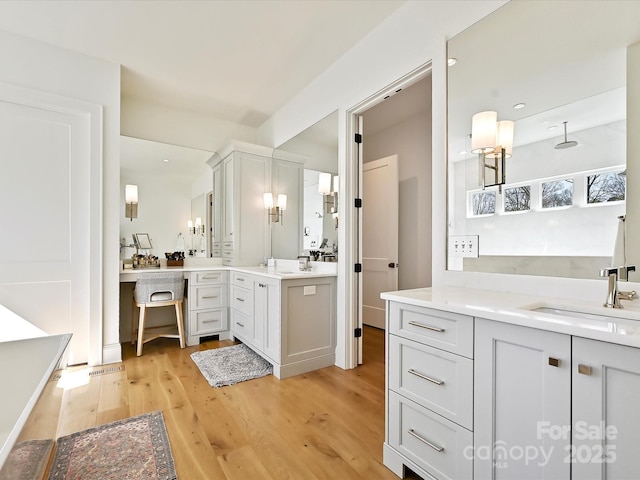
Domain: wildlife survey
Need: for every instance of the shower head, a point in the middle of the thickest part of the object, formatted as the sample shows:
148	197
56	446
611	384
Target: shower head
566	143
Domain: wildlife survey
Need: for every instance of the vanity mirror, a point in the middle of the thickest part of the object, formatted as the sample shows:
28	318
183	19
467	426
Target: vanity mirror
173	183
319	145
559	71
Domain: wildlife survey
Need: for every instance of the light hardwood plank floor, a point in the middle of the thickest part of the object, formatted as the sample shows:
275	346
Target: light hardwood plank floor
327	424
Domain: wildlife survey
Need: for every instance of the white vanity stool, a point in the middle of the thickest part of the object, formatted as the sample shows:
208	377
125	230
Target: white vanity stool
159	289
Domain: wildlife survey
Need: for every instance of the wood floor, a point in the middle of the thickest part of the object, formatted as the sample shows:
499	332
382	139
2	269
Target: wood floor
327	424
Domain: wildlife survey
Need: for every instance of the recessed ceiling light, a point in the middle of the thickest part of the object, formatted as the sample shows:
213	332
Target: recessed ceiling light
452	61
518	106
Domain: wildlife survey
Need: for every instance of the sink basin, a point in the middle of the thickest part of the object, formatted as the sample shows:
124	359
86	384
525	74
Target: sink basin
573	313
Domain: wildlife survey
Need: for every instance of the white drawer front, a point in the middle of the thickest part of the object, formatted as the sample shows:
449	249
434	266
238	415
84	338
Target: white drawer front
438	380
209	296
449	331
241	326
241	280
209	277
208	321
241	300
437	445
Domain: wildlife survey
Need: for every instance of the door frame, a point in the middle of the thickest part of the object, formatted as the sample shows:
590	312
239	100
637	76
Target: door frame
352	218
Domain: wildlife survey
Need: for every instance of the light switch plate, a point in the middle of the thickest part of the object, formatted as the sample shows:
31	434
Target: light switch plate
463	246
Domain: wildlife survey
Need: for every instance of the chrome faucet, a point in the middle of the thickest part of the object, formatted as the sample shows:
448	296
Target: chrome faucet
613	294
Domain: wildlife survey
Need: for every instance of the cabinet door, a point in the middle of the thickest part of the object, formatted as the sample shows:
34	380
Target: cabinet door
271	311
522	395
229	204
216	213
606	398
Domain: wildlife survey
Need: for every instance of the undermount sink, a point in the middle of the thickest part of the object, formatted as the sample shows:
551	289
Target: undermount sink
573	313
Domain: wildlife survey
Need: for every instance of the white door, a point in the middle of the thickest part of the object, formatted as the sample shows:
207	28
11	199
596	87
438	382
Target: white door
606	395
379	237
522	401
47	208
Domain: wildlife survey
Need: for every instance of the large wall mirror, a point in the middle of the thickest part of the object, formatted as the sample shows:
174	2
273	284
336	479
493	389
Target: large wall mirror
319	146
174	184
558	71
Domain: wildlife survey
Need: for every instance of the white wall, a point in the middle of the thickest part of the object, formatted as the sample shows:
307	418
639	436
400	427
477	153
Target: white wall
411	141
414	35
32	64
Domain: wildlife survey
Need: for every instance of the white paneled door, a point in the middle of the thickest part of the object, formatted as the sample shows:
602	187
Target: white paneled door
50	250
379	237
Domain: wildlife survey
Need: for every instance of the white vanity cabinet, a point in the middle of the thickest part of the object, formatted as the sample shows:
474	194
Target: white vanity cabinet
245	230
429	418
291	323
522	395
207	300
605	401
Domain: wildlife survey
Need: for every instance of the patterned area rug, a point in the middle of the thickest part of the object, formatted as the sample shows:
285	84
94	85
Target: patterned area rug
229	365
136	448
27	460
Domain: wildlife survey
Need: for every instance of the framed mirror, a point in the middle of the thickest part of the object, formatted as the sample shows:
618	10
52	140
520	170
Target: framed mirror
558	71
142	241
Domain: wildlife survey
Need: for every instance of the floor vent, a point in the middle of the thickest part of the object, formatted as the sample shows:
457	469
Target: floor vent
104	371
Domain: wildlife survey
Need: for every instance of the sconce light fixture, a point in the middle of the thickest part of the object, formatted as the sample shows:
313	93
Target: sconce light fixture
131	201
492	140
330	196
276	212
198	228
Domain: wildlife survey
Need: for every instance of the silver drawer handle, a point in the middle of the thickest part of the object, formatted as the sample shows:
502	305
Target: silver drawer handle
240	279
240	299
424	377
425	441
210	296
239	324
428	327
209	321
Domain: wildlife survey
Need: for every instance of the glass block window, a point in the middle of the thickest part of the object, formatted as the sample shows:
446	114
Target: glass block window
557	193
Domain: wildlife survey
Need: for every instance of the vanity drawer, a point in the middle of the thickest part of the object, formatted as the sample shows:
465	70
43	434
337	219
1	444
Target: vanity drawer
208	321
228	254
241	326
227	245
241	280
448	331
207	296
216	252
204	278
434	443
434	378
241	300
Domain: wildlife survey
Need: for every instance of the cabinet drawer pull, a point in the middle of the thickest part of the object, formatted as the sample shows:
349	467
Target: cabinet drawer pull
210	296
209	321
425	441
554	362
239	324
424	377
584	369
209	275
428	327
240	299
240	279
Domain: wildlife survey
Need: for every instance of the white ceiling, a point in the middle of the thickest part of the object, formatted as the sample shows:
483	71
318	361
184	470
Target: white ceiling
238	60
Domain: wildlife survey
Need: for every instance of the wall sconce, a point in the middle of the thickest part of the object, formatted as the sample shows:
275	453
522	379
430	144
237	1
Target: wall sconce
330	197
275	211
198	228
131	201
492	140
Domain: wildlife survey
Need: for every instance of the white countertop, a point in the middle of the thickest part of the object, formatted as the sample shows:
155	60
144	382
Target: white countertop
285	270
622	326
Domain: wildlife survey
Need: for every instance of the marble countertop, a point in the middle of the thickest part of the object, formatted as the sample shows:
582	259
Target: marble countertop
621	326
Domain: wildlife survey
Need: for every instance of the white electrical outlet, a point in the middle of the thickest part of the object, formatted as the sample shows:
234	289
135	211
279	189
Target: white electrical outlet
463	246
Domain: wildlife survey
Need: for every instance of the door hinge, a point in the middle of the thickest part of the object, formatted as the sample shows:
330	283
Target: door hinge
358	267
358	332
358	138
357	203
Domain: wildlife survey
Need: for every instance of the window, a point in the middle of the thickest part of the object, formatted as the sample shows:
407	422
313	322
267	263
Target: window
606	187
483	203
517	199
557	193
